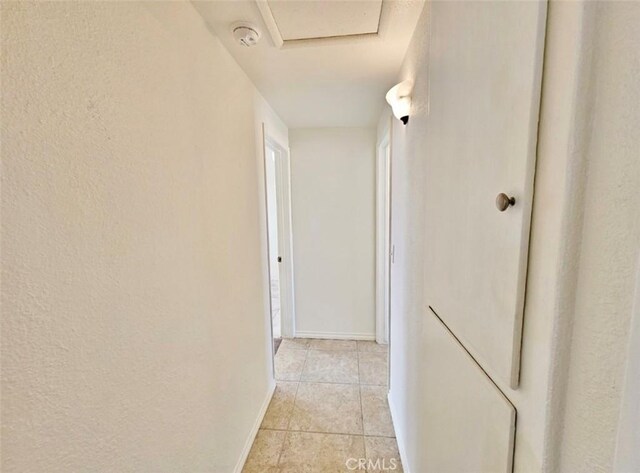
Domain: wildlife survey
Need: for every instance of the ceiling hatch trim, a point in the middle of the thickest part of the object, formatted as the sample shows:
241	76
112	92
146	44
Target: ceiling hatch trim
280	42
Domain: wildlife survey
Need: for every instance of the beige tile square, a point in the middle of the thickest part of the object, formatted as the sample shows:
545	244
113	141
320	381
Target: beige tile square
331	408
289	364
295	343
331	366
281	406
346	345
305	452
369	345
372	366
375	411
265	452
382	454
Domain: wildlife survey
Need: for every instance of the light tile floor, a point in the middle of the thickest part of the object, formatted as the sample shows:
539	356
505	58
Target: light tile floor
330	405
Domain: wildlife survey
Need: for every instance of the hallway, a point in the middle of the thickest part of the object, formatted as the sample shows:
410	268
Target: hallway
211	208
330	406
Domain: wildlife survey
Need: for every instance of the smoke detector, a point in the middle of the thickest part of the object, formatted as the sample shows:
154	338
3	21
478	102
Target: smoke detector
245	33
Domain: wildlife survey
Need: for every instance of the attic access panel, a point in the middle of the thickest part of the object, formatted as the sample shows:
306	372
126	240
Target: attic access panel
319	19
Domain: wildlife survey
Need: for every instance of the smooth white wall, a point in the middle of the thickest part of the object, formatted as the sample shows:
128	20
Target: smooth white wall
581	273
333	205
134	279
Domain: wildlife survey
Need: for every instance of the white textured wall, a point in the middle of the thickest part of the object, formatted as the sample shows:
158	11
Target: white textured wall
134	331
608	237
333	205
580	275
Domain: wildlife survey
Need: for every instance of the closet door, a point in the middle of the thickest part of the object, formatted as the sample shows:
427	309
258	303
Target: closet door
470	425
485	66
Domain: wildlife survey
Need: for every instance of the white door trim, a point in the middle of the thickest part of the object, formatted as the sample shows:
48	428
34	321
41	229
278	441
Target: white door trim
383	237
627	457
285	238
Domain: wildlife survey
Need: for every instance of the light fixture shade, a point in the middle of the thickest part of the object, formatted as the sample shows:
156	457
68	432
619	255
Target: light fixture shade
399	97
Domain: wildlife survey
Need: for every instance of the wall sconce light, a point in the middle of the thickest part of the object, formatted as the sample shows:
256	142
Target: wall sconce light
399	97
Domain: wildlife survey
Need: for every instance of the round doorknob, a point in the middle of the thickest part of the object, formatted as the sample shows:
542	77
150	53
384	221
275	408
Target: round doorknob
503	201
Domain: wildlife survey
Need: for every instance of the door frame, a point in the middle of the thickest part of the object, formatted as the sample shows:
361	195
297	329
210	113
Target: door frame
285	236
383	238
626	457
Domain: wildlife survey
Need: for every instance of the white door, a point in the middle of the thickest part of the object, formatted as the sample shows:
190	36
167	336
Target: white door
471	424
485	66
278	202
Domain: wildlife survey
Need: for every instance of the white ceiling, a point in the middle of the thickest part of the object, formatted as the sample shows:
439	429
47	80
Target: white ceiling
328	82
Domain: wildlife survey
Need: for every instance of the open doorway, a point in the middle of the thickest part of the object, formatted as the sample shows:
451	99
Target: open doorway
274	253
384	249
278	211
384	246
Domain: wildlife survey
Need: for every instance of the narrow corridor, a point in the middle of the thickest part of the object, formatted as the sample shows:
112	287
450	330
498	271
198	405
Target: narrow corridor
329	412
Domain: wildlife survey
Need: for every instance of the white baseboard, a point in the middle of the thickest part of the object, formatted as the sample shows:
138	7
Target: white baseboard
336	335
399	434
254	430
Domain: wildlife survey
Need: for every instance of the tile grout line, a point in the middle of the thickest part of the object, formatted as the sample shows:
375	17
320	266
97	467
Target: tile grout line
364	442
320	432
329	382
284	441
334	349
295	397
358	359
360	397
